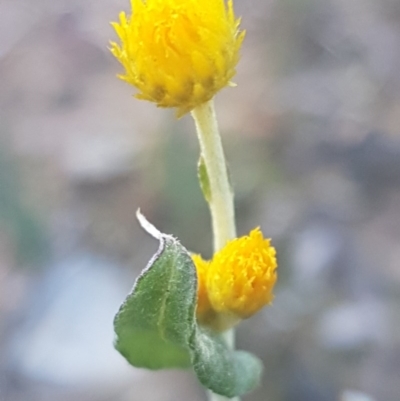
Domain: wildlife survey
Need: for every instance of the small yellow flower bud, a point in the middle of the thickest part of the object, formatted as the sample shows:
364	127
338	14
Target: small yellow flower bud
203	303
242	276
178	53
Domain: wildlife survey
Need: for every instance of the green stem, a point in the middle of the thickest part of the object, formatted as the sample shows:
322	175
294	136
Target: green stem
220	197
221	202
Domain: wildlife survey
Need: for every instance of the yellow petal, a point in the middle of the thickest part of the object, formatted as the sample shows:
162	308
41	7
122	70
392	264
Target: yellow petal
178	53
242	275
203	303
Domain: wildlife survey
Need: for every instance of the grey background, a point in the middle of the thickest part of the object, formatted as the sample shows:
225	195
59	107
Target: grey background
312	137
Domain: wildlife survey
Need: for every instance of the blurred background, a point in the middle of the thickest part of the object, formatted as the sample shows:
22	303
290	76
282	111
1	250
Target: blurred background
312	134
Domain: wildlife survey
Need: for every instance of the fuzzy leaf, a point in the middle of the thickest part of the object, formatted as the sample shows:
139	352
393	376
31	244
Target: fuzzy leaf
226	372
156	320
156	326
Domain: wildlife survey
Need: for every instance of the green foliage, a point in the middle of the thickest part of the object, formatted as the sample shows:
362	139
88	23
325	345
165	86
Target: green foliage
25	229
156	326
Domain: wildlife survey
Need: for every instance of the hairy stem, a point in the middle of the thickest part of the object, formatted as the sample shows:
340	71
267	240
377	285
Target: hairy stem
220	197
221	202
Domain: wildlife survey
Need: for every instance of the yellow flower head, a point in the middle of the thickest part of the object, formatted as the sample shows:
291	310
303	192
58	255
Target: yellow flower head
178	53
242	275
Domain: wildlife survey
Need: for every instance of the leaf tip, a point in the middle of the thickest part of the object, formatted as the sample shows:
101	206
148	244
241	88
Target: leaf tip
147	226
